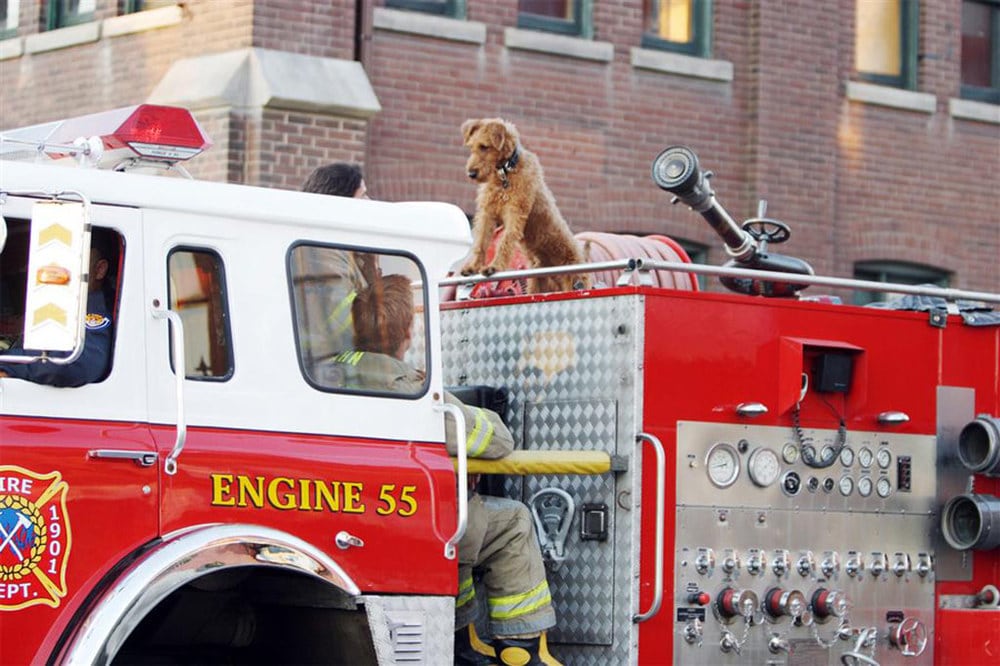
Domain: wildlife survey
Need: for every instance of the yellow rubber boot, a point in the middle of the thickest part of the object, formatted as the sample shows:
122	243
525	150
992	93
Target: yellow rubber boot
524	651
470	650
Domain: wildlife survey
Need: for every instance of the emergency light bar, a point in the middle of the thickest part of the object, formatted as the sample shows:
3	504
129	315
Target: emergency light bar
114	139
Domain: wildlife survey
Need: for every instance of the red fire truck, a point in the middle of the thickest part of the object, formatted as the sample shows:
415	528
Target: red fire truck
756	477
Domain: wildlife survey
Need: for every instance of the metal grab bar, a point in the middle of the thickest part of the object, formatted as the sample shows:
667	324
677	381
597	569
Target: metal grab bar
141	458
661	489
463	478
170	464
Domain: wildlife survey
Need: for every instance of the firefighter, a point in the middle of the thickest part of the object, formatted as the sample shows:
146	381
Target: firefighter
500	540
94	361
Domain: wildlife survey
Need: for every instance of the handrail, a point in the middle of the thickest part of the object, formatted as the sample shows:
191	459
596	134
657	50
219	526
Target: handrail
159	312
640	265
661	491
463	478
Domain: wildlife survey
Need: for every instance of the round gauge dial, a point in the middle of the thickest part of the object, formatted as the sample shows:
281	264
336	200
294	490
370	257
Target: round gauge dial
723	465
883	487
865	457
846	485
826	455
789	453
847	456
764	467
865	486
883	458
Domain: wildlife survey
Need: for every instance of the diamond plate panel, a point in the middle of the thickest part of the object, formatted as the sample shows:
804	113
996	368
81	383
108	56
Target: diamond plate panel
573	368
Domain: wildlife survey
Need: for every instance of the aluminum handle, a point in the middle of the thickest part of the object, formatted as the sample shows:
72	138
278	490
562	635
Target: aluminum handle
170	464
141	458
463	478
661	491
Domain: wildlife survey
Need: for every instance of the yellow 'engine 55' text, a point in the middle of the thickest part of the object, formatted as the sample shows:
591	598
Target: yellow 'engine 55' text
287	494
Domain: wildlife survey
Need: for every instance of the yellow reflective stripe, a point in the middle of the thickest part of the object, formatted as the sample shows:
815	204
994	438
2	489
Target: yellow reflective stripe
481	435
466	592
341	315
349	357
516	605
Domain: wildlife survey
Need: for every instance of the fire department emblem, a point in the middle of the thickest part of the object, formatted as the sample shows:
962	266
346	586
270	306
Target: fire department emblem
35	538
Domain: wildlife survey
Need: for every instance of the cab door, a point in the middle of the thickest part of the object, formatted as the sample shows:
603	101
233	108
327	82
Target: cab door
78	475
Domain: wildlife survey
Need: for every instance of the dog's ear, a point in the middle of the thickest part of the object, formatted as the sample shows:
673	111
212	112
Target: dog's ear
469	127
498	135
510	138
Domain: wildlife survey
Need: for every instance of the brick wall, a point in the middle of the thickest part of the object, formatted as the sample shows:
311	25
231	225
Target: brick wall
856	181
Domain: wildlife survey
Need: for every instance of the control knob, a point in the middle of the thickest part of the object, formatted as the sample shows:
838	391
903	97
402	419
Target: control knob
731	562
830	564
736	603
806	563
829	603
780	563
879	563
756	563
704	563
784	603
900	564
854	566
925	563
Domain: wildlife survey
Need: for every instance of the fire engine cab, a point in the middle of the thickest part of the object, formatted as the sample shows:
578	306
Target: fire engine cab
753	477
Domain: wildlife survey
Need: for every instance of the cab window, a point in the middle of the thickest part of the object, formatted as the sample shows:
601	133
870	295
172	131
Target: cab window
360	319
197	289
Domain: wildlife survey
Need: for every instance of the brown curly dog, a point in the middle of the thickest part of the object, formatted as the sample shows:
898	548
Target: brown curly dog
512	194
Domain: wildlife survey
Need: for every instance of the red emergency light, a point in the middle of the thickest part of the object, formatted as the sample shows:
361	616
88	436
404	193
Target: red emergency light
146	132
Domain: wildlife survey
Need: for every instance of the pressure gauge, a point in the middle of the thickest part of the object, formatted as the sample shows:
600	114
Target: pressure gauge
865	486
865	457
789	453
847	456
883	487
826	455
883	457
723	465
763	467
846	485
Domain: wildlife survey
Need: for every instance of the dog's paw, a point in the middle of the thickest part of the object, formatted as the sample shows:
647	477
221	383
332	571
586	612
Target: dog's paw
469	269
489	270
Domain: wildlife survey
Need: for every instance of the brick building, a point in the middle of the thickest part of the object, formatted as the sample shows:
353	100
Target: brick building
871	126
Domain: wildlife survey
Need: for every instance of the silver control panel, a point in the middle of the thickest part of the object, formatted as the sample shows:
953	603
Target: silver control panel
803	547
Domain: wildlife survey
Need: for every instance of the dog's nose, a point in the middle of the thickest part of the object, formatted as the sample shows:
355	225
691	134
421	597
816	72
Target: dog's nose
473	173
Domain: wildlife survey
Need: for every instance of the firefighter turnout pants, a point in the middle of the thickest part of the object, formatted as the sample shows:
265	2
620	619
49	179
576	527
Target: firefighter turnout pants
500	542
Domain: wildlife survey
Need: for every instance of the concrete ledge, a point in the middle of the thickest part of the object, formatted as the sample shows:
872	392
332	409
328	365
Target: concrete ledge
11	48
683	65
142	21
561	45
429	25
62	38
259	78
896	98
968	109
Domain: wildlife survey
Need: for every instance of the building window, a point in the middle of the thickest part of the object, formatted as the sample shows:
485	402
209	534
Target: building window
63	13
197	290
684	26
452	8
981	50
698	254
898	272
360	320
885	46
133	6
9	11
562	16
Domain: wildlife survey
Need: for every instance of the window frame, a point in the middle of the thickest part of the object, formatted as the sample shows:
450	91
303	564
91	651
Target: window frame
7	30
226	313
909	42
700	46
989	94
892	271
424	307
581	26
56	16
448	8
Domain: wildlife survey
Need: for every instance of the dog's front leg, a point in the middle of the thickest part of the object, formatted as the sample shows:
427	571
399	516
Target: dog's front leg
482	232
514	220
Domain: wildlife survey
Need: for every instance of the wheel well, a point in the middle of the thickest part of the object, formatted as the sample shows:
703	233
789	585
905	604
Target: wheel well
252	615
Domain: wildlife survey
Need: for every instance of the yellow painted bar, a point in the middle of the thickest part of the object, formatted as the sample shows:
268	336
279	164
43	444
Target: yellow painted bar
544	462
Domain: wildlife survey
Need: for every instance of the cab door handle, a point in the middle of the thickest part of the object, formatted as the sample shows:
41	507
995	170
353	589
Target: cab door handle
141	458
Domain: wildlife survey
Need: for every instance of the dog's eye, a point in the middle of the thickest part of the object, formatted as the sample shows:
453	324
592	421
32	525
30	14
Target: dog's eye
483	147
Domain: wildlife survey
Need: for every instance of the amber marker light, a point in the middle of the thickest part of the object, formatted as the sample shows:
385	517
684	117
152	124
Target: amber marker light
52	274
